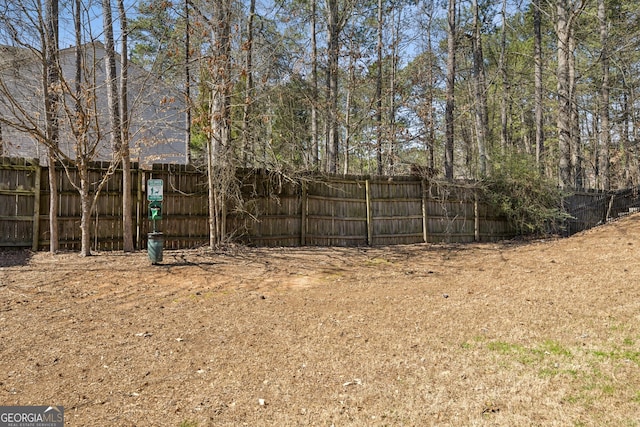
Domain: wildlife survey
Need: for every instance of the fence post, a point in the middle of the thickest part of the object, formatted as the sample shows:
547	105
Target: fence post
425	222
367	188
303	215
476	215
139	206
606	219
36	208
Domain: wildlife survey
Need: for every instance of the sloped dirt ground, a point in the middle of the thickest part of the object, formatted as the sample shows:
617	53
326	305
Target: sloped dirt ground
530	333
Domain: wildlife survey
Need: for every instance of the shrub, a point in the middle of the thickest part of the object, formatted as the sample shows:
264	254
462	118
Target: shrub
531	202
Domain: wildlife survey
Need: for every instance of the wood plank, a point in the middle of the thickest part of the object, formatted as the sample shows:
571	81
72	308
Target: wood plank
369	213
36	211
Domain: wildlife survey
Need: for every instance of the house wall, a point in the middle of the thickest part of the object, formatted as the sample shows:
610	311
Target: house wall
157	113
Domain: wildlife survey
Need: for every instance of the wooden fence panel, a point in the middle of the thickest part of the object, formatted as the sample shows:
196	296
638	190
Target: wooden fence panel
491	226
185	207
270	221
271	211
336	213
451	221
106	221
19	210
397	213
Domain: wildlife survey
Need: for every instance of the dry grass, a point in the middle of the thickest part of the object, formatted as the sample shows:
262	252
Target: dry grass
540	333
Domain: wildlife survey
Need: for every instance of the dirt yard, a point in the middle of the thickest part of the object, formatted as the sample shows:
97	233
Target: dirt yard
542	333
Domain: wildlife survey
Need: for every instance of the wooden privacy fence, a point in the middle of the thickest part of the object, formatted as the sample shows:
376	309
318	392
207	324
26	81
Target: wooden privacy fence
25	202
271	210
358	211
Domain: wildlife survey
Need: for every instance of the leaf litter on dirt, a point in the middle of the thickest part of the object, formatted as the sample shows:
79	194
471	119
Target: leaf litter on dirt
532	333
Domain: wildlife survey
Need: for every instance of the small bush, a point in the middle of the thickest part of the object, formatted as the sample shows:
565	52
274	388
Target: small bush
531	202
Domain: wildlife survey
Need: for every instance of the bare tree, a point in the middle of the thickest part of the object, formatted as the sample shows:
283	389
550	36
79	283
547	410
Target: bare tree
51	101
127	202
26	90
80	124
113	103
76	114
116	105
220	130
33	28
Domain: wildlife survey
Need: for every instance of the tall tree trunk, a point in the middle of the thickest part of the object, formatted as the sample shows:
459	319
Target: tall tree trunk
187	83
428	102
564	100
247	132
604	134
347	110
379	132
113	103
467	142
630	159
127	202
391	134
451	78
113	97
81	135
218	165
539	114
570	162
78	50
431	127
635	129
333	51
85	207
595	126
576	140
480	104
315	146
52	78
504	101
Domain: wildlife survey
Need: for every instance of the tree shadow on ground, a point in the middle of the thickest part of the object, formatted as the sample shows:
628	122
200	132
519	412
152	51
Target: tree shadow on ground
14	257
